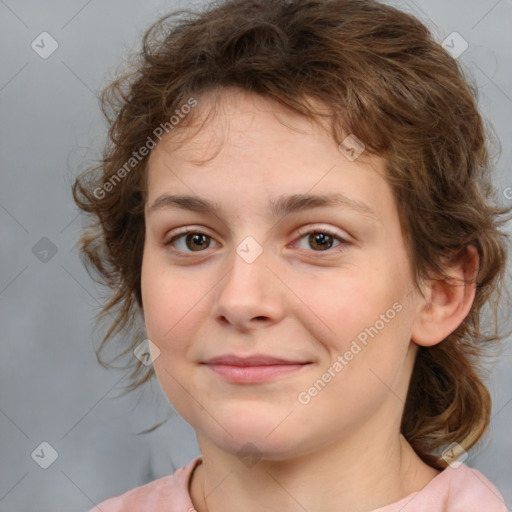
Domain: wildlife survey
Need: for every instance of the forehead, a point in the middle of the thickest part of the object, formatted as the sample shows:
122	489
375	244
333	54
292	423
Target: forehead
222	117
235	116
245	142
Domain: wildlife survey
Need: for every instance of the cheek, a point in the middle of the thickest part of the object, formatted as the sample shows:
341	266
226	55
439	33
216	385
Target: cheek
167	299
338	309
169	306
363	320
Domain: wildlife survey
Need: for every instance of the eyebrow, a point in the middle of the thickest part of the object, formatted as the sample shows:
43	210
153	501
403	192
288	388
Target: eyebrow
281	206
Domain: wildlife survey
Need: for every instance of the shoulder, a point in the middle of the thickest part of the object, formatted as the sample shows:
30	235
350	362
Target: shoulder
470	490
168	494
460	489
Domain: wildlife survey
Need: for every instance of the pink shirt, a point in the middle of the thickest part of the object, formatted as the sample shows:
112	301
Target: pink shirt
453	490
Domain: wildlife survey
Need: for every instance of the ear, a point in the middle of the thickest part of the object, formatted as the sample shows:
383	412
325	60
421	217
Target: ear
447	304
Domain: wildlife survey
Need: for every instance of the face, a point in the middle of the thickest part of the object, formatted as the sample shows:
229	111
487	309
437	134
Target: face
324	286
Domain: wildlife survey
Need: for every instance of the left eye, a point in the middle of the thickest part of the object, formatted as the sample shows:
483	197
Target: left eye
322	240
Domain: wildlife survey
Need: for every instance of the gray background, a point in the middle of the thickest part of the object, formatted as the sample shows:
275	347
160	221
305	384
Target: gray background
51	387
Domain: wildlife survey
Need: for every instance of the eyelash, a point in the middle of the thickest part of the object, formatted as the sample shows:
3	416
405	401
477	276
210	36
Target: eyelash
318	230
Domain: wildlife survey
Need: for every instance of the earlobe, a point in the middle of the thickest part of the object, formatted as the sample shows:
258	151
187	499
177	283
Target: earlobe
447	303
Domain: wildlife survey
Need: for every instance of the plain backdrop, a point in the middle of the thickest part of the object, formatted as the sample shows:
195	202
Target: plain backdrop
52	389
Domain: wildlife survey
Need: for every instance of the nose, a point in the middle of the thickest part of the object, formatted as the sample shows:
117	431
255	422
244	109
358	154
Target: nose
249	296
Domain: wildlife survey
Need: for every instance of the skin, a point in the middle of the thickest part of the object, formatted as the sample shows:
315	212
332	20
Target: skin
342	450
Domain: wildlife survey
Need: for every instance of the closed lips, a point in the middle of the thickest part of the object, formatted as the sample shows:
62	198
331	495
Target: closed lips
251	361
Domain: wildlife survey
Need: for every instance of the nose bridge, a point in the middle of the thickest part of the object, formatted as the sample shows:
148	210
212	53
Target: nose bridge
246	291
246	279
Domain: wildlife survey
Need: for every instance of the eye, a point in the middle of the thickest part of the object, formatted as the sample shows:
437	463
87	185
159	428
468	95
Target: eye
321	240
194	241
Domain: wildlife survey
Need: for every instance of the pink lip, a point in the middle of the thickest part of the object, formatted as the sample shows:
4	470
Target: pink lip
258	368
255	360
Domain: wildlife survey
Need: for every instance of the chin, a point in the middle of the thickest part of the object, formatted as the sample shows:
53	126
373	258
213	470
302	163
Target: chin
248	440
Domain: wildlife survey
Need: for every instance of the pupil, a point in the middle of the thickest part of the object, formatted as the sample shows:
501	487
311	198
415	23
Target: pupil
320	239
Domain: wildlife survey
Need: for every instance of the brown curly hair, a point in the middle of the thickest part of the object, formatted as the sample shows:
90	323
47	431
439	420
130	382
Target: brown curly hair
384	79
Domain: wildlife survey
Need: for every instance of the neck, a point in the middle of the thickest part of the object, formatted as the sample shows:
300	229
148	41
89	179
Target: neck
358	475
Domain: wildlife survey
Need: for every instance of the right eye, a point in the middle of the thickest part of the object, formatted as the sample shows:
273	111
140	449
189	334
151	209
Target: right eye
189	241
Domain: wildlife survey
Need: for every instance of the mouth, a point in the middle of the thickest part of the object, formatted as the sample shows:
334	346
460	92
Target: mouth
253	369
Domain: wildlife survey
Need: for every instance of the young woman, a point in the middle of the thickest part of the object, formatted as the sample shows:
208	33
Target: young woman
296	202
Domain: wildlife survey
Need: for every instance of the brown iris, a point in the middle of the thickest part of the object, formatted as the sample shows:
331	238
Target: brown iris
321	240
197	238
